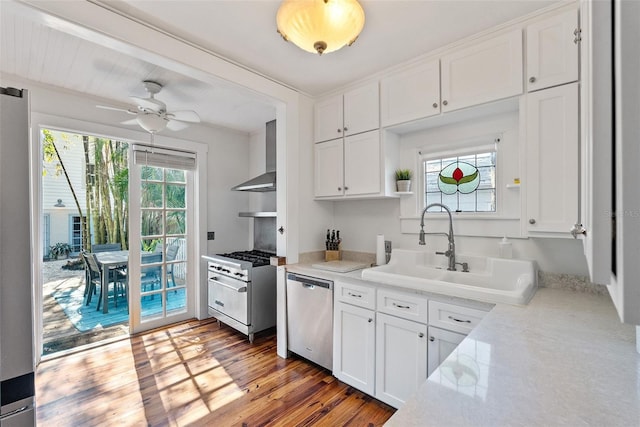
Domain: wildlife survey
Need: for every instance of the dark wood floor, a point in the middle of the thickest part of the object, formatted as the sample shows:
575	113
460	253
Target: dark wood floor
200	374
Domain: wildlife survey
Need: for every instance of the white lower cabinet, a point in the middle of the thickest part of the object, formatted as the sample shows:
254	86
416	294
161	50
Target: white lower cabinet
441	344
386	342
401	365
354	346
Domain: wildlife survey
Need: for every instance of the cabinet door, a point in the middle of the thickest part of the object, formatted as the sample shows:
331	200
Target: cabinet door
552	160
482	72
328	119
362	168
410	94
441	345
401	364
362	109
354	346
552	51
329	171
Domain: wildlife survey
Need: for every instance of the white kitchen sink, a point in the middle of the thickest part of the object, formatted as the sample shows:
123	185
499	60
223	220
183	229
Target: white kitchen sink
495	280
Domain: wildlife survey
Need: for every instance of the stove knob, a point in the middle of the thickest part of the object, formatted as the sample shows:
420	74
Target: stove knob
226	271
218	268
239	274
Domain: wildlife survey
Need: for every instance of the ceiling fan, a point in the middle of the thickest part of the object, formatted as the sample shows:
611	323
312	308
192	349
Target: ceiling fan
151	113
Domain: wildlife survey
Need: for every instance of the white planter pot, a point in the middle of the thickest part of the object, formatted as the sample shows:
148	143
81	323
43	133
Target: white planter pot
403	186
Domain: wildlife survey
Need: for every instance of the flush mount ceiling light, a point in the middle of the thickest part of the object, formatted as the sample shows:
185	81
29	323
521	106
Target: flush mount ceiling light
320	26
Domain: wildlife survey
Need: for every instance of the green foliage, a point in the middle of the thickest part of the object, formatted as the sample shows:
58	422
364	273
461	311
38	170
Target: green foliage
403	174
59	249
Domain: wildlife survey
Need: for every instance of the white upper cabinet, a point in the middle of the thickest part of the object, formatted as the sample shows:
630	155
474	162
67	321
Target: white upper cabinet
329	168
552	51
362	167
348	167
552	154
328	119
354	112
410	94
482	72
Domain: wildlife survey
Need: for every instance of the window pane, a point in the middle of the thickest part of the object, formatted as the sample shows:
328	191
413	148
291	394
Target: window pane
467	202
176	196
151	223
176	300
175	175
450	201
176	222
151	195
487	177
486	159
433	166
486	200
150	173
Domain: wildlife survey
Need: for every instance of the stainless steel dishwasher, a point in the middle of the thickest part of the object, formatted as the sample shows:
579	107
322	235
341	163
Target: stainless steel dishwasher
310	318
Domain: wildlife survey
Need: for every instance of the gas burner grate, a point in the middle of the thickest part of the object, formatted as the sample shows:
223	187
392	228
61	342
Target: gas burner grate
257	258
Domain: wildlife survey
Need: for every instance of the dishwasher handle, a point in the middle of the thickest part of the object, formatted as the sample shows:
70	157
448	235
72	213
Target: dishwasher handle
310	282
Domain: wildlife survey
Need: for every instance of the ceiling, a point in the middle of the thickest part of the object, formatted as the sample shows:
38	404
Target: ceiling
243	31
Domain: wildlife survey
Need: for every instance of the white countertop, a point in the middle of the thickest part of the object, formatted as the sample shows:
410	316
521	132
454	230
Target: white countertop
564	359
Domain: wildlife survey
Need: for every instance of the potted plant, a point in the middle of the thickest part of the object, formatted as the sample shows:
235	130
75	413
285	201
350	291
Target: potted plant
59	251
403	180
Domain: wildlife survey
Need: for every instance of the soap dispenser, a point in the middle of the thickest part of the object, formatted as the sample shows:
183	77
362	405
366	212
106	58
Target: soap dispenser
506	250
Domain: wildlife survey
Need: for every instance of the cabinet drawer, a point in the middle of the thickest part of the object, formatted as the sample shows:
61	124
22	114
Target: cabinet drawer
408	306
356	294
454	317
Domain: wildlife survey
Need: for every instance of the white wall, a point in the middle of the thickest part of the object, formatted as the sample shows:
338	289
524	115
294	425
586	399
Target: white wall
228	153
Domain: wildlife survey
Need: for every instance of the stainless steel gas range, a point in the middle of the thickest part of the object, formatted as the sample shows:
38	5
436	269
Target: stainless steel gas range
242	290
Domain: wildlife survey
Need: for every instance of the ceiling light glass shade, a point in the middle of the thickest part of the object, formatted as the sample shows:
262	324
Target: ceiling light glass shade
320	26
152	123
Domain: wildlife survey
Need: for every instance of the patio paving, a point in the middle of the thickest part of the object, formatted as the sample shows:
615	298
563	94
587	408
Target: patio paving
59	332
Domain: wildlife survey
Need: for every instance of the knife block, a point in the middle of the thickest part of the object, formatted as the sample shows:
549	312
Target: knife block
333	255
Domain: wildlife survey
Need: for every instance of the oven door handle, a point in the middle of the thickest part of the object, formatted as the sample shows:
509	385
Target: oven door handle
239	289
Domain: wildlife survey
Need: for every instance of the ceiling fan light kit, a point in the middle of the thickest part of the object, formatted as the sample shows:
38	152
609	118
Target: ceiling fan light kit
151	113
320	26
151	122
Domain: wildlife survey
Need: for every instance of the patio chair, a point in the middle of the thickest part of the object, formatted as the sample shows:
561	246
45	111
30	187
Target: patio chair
94	275
172	253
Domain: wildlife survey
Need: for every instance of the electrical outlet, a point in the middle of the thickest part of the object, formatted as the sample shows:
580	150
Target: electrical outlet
387	246
211	235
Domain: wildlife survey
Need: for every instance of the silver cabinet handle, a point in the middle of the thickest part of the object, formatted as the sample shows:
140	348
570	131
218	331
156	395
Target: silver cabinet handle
435	105
401	306
345	128
370	320
459	320
432	339
354	295
532	79
445	102
339	188
532	221
220	303
339	130
346	188
578	229
421	335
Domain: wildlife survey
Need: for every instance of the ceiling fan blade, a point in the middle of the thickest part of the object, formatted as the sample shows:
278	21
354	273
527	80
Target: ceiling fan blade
130	122
124	110
176	125
184	116
151	104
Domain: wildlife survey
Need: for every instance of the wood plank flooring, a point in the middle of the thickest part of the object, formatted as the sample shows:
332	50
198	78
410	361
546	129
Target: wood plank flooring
198	374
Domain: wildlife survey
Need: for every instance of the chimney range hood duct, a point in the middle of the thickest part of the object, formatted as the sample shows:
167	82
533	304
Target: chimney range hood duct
266	181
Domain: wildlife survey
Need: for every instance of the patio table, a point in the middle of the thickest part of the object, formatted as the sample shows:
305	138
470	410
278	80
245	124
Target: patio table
106	261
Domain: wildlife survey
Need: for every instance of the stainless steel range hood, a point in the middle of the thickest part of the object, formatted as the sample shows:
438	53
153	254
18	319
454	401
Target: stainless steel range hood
266	181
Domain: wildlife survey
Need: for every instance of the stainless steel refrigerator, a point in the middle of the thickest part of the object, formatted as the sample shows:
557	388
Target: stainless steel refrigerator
16	304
